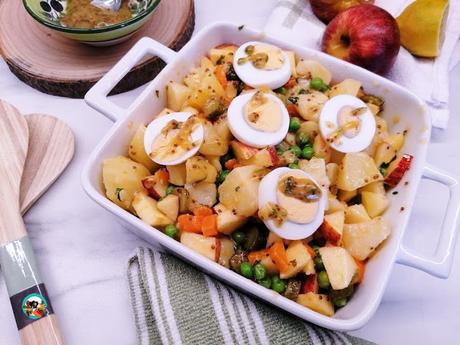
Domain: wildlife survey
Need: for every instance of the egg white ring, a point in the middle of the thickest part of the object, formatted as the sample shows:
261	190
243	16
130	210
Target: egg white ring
248	135
289	230
257	77
155	127
329	114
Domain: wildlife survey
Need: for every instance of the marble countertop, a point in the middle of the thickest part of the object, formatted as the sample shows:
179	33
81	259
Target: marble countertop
82	250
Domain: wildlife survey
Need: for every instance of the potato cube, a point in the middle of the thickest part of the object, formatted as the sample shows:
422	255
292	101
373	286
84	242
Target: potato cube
317	302
361	239
122	177
147	210
176	95
137	152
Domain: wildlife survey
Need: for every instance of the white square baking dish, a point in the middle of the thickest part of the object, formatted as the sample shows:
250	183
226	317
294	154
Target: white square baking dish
400	104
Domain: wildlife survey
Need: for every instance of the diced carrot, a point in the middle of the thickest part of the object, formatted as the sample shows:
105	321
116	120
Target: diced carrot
202	211
189	223
163	175
257	255
292	109
291	83
361	269
310	251
278	255
209	225
231	164
221	76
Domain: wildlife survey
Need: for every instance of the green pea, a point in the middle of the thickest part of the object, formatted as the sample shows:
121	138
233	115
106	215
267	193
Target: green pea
170	190
279	151
266	282
302	139
293	166
222	176
171	230
323	280
239	237
307	152
319	263
282	90
294	124
318	84
296	150
278	285
259	271
339	302
246	270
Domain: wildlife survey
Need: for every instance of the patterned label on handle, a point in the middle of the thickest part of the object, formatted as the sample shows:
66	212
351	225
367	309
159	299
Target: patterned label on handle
30	305
27	293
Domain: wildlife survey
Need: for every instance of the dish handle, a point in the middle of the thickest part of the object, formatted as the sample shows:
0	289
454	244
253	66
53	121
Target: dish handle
440	265
97	98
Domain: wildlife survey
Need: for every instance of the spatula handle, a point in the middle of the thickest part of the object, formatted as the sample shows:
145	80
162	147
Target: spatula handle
29	299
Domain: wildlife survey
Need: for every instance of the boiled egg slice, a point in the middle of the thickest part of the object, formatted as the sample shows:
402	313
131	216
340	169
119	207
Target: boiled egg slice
173	138
347	124
258	119
260	64
302	218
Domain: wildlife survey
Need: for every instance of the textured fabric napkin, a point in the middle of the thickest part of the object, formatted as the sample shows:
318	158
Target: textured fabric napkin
174	303
293	20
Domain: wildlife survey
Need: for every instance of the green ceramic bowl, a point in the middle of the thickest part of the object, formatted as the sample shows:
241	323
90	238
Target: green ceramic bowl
49	13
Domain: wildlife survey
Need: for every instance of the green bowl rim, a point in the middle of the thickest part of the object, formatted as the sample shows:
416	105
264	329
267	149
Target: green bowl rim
150	8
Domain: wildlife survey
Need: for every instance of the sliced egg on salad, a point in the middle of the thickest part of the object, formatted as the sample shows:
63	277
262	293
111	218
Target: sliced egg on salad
260	64
347	124
291	203
173	138
258	119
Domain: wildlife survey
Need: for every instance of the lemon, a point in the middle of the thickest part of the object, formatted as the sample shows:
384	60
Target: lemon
420	26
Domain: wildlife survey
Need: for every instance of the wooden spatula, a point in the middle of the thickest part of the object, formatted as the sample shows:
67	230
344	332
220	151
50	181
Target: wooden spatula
51	147
31	305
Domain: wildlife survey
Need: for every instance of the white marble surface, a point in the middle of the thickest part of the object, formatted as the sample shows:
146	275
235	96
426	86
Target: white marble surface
82	251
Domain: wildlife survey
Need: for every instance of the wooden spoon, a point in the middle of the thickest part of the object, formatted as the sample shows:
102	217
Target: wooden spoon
30	303
51	147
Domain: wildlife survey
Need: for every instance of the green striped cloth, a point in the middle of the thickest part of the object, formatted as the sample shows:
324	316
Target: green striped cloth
174	303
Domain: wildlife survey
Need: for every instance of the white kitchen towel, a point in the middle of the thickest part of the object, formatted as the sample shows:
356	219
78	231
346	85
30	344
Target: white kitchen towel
293	20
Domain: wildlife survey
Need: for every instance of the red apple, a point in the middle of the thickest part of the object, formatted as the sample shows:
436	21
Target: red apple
156	184
242	151
332	227
326	10
397	169
310	284
365	35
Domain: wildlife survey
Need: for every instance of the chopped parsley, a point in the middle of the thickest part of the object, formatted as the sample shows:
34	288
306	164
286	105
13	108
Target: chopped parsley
293	99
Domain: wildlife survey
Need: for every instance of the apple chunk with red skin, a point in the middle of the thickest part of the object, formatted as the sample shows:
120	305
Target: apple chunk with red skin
157	184
365	35
397	169
332	227
326	10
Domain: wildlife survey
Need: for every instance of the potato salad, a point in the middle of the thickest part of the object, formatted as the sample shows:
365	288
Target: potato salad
264	163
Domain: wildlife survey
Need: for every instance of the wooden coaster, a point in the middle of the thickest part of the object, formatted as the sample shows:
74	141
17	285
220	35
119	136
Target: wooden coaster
56	65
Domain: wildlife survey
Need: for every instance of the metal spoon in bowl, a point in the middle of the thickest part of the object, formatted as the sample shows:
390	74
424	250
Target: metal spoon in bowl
113	5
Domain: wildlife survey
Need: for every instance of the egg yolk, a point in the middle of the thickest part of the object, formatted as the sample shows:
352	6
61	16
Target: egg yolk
263	56
263	114
174	140
299	196
349	123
